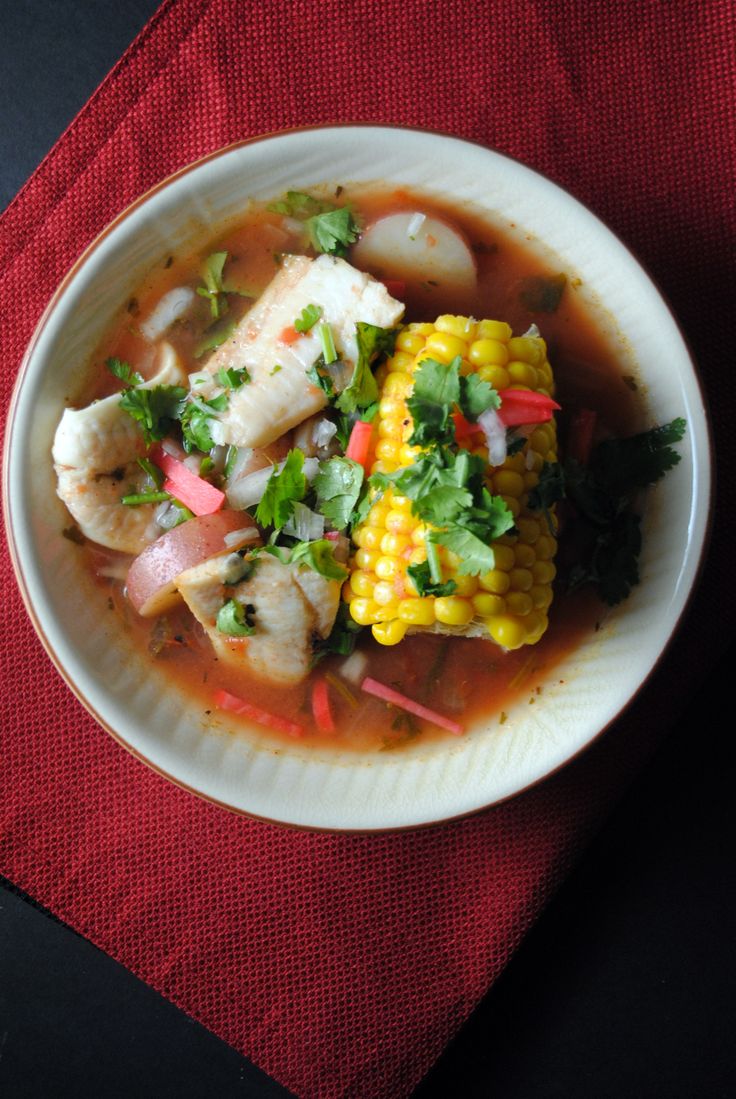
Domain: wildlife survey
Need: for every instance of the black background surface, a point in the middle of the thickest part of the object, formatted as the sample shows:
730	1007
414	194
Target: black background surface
625	986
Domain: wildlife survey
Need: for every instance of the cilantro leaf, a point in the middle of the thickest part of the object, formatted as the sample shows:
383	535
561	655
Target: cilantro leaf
215	335
308	317
338	484
422	578
298	204
320	556
476	396
475	556
333	231
213	288
550	489
362	392
232	378
626	464
436	391
318	376
342	637
232	619
196	419
155	409
284	486
124	371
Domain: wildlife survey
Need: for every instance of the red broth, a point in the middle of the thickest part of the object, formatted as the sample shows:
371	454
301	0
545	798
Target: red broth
467	679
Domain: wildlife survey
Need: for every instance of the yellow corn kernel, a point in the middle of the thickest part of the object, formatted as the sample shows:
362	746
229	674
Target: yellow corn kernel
452	610
383	593
391	408
388	450
444	347
512	504
389	633
365	611
367	560
410	342
417	556
486	604
401	361
400	522
528	530
508	483
462	327
524	555
526	348
521	579
417	611
504	557
370	537
522	373
506	630
496	581
535	624
519	602
544	572
464	585
394	544
386	568
494	330
408	454
390	429
497	376
398	386
362	583
541	596
488	353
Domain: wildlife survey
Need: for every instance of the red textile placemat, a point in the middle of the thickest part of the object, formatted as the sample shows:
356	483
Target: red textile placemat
343	964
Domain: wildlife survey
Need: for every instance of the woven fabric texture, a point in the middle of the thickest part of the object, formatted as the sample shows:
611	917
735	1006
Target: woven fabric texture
342	964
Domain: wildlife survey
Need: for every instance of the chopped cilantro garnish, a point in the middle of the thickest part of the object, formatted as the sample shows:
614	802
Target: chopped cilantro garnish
308	317
342	638
155	409
329	352
124	371
318	376
320	556
362	392
196	420
436	392
476	396
153	471
548	491
333	231
542	293
216	335
232	619
284	486
232	378
297	204
213	288
135	499
275	369
338	484
422	578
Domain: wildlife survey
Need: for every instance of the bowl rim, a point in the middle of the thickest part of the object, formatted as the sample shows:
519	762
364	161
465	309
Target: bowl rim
707	458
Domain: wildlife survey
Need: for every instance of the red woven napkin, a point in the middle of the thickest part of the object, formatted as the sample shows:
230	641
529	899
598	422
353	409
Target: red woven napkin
342	965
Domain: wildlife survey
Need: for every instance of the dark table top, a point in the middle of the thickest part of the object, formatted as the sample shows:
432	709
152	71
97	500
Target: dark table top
623	988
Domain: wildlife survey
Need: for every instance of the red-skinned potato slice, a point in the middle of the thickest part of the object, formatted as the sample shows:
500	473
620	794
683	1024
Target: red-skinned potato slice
152	577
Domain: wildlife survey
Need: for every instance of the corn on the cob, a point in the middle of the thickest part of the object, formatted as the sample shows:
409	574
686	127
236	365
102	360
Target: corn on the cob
510	602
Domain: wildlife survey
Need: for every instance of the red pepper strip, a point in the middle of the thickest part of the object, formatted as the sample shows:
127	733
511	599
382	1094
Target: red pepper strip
321	706
464	428
395	287
524	406
194	492
223	700
582	429
359	443
290	335
388	694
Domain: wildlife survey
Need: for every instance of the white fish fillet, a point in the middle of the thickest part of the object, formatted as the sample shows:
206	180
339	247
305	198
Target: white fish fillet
94	451
271	403
290	604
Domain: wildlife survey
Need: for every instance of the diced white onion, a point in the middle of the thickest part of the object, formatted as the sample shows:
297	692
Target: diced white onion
324	431
341	372
114	572
249	489
415	224
167	515
305	524
354	668
242	459
243	537
495	434
192	462
171	306
532	332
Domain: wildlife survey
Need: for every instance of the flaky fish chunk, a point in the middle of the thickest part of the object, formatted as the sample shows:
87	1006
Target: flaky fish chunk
95	451
288	604
277	399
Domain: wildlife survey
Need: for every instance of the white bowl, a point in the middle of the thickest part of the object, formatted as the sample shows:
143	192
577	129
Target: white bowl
130	696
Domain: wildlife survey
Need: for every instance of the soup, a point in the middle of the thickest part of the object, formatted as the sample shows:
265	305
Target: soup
190	314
